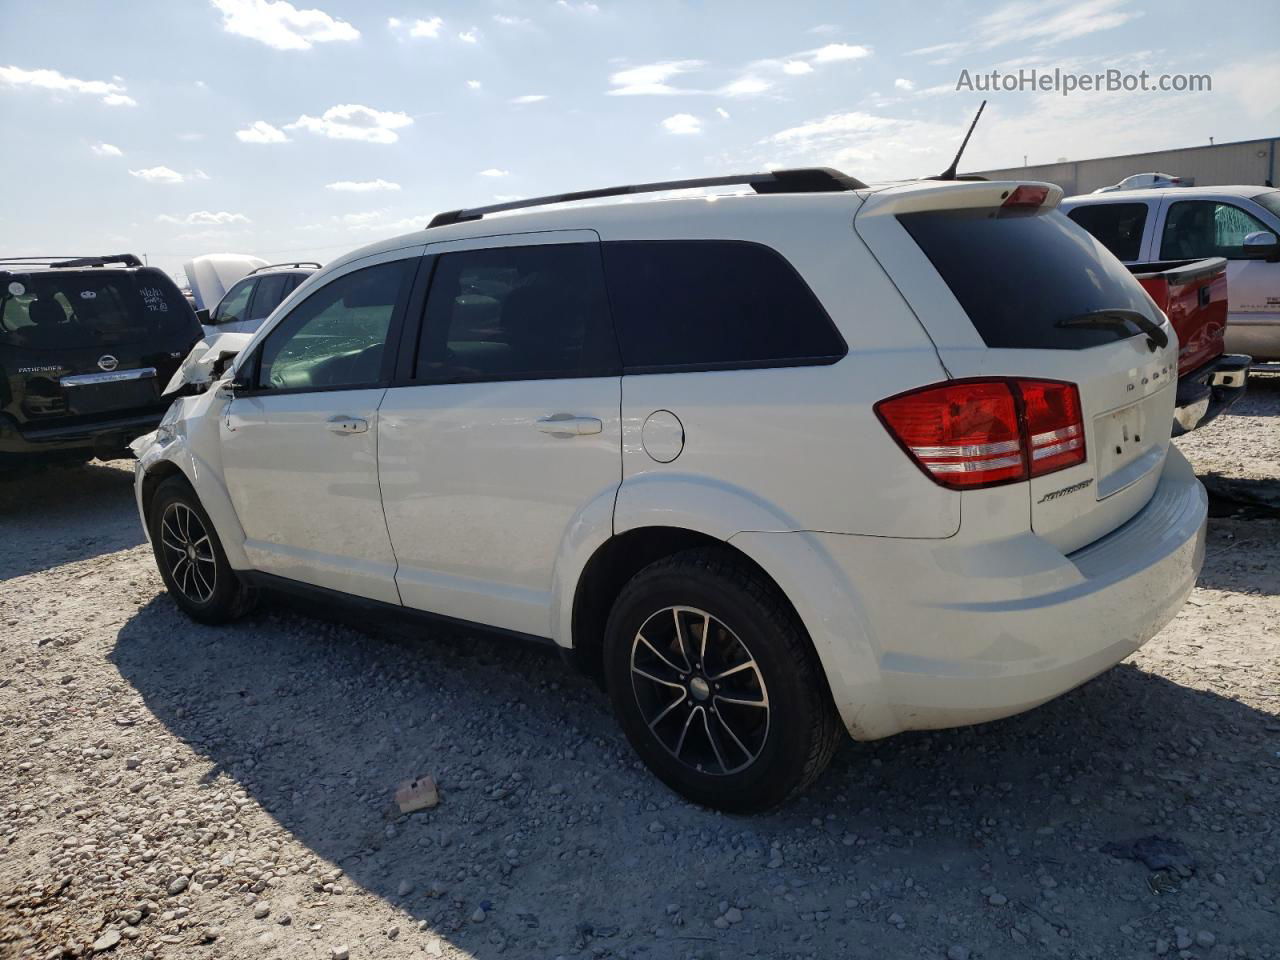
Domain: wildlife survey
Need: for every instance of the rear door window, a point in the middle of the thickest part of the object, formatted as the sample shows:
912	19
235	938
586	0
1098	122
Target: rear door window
270	291
517	313
713	304
1020	275
1206	228
1118	226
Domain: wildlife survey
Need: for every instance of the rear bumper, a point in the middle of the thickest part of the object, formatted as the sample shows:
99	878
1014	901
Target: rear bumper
964	633
1207	392
104	436
1260	339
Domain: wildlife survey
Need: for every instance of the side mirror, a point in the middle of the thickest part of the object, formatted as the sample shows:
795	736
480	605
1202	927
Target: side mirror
202	316
1261	245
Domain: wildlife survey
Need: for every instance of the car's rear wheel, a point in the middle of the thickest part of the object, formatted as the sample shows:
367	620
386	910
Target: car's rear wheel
192	562
716	684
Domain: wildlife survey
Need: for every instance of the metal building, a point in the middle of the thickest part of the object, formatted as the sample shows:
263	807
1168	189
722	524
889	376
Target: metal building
1241	162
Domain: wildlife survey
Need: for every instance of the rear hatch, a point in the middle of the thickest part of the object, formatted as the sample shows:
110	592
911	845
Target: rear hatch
82	345
1008	287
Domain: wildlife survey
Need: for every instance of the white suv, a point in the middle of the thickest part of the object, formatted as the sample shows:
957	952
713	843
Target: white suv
769	465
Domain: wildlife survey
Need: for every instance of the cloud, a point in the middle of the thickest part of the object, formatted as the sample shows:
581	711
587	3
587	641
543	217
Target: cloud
724	114
473	84
833	125
824	28
361	186
351	121
261	132
584	7
508	21
530	98
158	175
372	221
651	78
470	36
281	25
746	86
112	93
837	52
106	150
191	137
682	123
903	84
495	172
1038	23
1051	22
797	67
204	218
426	28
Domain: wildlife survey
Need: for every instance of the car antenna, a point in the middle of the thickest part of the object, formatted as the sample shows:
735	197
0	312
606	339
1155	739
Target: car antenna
950	172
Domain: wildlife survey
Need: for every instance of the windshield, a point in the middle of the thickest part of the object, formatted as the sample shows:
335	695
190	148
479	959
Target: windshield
56	309
1022	277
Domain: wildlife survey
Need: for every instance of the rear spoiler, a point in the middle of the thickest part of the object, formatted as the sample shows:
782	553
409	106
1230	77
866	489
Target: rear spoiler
961	195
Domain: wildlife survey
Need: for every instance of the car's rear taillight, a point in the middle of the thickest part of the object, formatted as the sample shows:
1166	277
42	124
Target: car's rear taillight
967	434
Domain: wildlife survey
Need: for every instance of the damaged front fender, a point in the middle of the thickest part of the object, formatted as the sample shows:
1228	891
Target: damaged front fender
207	361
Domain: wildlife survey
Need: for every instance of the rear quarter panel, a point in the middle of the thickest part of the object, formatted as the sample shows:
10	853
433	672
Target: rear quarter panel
787	448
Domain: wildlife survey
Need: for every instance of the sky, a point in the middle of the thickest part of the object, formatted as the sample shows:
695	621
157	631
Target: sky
303	130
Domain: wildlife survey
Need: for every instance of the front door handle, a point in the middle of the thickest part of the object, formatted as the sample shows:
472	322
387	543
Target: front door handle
347	425
567	425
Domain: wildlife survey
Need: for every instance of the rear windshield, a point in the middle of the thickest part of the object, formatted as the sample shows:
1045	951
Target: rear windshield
54	309
1018	274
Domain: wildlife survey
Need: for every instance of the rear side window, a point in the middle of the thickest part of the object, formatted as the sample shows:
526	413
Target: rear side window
1020	274
1117	225
517	313
1206	228
712	304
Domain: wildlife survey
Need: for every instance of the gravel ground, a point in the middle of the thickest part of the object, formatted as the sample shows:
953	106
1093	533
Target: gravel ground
172	789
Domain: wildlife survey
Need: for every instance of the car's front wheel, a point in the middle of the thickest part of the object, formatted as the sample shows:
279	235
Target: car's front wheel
716	684
190	556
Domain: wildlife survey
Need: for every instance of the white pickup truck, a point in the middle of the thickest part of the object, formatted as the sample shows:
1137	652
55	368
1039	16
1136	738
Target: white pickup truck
1241	224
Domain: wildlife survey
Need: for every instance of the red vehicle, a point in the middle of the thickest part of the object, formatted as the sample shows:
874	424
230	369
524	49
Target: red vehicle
1193	295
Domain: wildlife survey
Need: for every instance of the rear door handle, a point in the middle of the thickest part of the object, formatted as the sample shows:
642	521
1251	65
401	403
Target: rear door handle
567	425
347	425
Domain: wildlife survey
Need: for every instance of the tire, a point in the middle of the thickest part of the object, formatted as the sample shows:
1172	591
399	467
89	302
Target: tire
199	579
754	724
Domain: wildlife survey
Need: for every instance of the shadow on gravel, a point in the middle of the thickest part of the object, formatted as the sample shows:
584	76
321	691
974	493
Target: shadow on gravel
60	514
1233	560
547	817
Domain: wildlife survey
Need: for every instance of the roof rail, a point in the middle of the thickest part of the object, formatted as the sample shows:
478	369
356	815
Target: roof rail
128	259
799	180
272	266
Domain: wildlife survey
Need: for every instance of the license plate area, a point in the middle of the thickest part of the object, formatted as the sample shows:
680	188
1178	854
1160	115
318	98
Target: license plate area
103	397
1127	444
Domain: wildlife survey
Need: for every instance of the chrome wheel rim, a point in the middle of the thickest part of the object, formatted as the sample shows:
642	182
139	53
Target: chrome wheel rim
188	552
700	691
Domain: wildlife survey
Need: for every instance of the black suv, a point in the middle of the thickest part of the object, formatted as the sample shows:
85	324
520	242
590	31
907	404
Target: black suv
86	346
